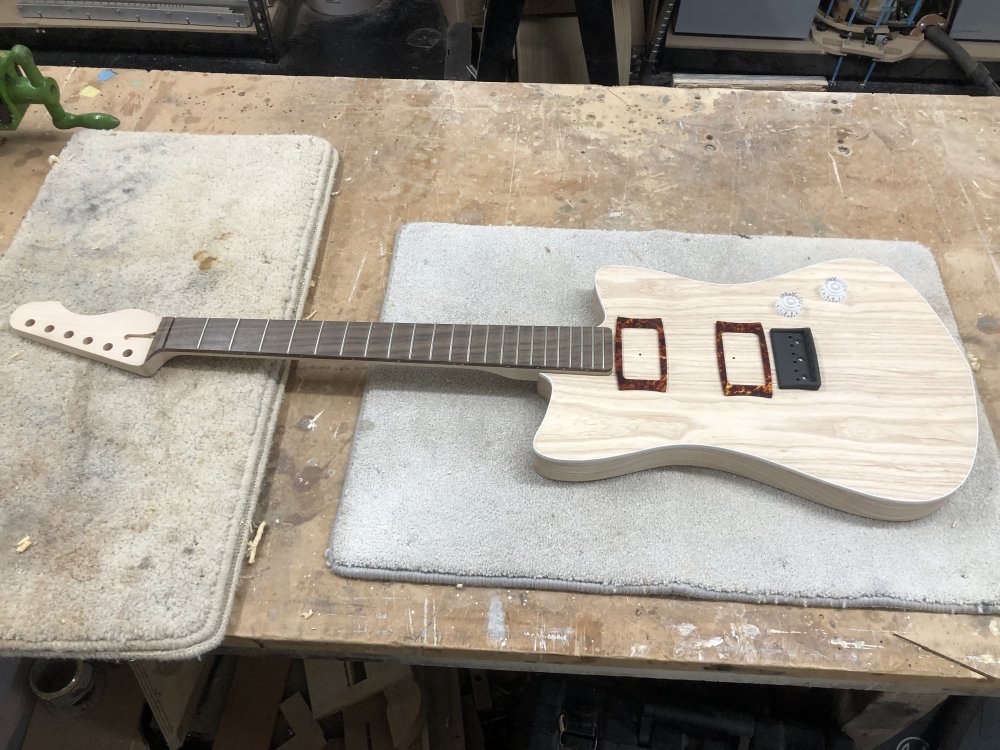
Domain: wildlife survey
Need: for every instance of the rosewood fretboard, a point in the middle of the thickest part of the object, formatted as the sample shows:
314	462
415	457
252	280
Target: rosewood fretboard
550	348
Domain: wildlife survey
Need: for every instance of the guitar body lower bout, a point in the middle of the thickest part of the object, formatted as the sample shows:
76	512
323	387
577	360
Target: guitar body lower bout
890	434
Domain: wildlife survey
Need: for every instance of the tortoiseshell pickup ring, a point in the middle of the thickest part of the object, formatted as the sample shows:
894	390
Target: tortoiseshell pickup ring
738	389
627	384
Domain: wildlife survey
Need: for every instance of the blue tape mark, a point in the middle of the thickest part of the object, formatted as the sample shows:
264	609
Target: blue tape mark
106	75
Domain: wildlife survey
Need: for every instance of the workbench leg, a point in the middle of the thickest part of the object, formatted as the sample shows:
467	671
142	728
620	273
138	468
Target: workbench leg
597	29
173	690
501	19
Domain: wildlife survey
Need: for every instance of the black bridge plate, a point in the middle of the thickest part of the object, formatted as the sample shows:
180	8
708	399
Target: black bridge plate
795	361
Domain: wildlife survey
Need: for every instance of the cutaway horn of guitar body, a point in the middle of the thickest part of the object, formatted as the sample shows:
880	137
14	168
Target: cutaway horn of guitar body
121	339
890	434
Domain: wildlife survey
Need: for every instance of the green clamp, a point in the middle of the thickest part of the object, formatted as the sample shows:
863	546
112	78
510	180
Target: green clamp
22	84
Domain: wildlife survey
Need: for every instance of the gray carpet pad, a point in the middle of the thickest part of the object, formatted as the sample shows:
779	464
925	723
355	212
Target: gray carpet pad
441	488
136	492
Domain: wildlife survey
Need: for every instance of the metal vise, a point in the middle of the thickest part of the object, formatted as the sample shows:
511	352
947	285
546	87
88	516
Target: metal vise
22	84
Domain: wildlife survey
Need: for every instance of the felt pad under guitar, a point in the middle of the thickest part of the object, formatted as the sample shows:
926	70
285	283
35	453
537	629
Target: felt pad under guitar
441	486
136	493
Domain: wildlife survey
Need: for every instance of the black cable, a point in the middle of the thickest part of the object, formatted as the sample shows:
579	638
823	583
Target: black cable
952	721
972	68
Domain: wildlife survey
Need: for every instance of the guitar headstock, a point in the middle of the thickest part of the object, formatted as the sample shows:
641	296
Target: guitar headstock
122	339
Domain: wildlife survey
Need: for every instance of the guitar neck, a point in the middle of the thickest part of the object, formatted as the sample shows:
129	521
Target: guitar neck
530	348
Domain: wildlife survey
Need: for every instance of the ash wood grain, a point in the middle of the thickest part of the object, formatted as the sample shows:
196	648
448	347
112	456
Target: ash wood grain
890	435
916	168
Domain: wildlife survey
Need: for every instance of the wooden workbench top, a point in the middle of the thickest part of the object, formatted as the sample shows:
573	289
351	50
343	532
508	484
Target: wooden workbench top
743	162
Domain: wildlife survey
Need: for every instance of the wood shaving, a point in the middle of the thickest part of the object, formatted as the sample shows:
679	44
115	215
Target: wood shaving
24	544
973	361
252	546
307	615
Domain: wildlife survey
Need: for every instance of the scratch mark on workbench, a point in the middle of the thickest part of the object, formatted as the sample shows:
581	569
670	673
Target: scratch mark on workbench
983	658
496	622
709	643
947	658
859	645
513	167
429	631
987	239
543	637
744	637
611	91
357	278
628	178
980	191
836	173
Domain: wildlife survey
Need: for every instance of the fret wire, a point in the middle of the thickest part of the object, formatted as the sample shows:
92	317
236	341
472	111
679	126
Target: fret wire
288	350
388	348
198	345
503	334
517	345
344	340
261	347
430	353
468	349
368	338
603	336
593	351
319	336
558	337
451	342
545	346
233	337
409	355
486	344
581	347
531	350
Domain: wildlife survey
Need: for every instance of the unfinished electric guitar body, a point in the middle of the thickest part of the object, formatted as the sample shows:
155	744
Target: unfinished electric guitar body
836	382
